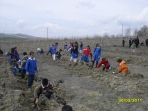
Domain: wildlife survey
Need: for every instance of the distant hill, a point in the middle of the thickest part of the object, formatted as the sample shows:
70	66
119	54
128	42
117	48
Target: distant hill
19	35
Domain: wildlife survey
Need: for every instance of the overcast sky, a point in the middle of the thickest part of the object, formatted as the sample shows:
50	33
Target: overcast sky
67	18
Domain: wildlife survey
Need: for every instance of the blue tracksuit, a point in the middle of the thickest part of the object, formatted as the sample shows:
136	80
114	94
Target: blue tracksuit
85	58
53	50
50	48
31	66
97	53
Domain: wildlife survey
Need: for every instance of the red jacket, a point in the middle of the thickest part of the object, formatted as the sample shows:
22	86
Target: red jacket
86	51
106	63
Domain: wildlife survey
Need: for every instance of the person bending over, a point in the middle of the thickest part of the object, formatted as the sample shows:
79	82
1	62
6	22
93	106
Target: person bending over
105	64
45	88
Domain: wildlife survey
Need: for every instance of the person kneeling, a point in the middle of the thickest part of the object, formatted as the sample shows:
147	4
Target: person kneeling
122	66
45	88
105	64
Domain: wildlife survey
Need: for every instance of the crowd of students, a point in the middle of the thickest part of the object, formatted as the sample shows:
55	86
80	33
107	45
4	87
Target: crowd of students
27	65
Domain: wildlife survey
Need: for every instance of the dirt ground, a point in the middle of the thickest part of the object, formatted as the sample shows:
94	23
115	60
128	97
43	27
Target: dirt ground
83	88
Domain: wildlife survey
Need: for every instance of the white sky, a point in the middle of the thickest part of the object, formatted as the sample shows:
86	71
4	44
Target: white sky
67	18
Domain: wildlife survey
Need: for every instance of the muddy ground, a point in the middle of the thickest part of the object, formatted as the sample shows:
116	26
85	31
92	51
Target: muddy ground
83	88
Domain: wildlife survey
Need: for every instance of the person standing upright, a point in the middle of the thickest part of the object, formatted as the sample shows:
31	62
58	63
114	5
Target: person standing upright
130	42
31	69
137	42
97	54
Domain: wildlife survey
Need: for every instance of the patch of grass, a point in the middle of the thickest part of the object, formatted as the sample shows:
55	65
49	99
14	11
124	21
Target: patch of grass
11	38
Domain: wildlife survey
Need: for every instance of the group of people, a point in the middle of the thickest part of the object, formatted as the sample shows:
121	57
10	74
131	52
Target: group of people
28	66
54	52
134	43
95	57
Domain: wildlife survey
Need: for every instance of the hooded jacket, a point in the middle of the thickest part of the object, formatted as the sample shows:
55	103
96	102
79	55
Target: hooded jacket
123	67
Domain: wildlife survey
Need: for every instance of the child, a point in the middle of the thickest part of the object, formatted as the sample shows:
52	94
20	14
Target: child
31	69
85	55
53	51
67	108
58	54
16	55
133	47
97	54
38	51
15	68
24	60
65	47
81	48
45	88
49	50
74	53
42	52
90	53
105	64
122	66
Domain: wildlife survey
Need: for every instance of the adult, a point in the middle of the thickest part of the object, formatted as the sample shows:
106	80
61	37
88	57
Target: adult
123	43
130	42
137	42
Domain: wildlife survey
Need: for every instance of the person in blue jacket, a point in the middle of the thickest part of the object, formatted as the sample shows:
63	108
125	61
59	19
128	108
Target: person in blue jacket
31	69
97	54
54	50
49	50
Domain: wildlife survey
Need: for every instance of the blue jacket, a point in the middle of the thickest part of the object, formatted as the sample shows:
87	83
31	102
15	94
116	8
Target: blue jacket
31	66
53	50
50	48
97	53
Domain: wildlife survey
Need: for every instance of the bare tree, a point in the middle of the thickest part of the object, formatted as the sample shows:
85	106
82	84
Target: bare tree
144	30
128	32
135	33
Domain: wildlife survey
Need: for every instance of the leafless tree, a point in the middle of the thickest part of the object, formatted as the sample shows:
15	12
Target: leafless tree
144	30
128	32
135	33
